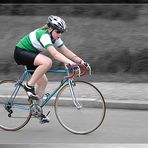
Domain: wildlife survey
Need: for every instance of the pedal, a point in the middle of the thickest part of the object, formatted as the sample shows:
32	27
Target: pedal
33	98
36	110
44	119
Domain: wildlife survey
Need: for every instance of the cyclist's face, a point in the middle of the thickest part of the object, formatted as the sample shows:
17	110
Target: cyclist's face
56	34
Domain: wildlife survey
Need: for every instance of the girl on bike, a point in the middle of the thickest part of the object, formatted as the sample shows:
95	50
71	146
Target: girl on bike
28	52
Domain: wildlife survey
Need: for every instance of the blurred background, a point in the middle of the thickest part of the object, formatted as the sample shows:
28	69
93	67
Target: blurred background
113	38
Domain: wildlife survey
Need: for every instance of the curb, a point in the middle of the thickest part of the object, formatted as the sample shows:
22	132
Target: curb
133	105
110	104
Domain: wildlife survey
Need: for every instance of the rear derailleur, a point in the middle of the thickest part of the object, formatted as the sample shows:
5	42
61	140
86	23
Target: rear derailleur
8	107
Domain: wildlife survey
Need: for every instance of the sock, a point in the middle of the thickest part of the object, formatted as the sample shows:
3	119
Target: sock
29	85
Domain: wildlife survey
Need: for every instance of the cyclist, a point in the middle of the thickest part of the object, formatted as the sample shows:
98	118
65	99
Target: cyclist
28	52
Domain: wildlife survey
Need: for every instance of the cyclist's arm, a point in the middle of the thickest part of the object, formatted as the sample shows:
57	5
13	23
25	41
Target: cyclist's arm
57	55
69	54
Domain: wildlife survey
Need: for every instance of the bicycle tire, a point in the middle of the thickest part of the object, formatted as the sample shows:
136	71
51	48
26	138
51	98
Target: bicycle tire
20	107
92	112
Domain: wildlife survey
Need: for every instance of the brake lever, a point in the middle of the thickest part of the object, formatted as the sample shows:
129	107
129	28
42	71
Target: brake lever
89	68
79	72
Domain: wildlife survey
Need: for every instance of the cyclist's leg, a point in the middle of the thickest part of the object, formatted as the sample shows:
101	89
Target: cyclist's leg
41	86
34	61
43	64
27	58
40	91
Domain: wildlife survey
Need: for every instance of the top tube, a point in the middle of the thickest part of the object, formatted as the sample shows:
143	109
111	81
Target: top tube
50	70
75	73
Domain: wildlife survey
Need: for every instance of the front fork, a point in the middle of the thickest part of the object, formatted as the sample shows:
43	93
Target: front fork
72	84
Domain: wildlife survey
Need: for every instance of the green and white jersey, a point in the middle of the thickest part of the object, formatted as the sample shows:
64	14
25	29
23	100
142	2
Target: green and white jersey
38	40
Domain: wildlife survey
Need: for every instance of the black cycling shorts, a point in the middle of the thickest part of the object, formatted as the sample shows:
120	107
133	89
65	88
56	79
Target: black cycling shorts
24	57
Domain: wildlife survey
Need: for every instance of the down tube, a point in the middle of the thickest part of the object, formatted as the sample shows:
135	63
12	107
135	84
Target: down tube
54	92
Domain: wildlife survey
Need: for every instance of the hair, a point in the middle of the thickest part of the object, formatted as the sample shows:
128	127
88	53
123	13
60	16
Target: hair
45	27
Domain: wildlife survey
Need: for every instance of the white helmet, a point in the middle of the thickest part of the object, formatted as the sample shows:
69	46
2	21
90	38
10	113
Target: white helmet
56	23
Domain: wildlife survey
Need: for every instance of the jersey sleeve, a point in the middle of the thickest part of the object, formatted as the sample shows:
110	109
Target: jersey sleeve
58	43
45	40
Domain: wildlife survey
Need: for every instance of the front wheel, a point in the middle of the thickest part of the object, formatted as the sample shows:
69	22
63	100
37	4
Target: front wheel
80	107
14	106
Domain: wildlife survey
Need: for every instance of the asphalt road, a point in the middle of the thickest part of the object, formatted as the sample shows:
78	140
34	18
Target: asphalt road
74	145
119	126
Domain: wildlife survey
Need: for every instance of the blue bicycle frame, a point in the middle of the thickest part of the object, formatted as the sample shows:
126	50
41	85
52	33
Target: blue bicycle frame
26	74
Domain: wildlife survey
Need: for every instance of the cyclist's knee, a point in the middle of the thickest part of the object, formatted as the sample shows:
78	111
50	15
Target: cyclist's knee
48	63
43	60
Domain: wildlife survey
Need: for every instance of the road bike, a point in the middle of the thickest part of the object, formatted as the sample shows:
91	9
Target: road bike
79	106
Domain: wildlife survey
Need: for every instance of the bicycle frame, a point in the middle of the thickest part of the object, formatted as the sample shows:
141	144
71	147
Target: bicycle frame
26	74
67	79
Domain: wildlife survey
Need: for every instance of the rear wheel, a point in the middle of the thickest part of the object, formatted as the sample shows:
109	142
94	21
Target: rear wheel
14	106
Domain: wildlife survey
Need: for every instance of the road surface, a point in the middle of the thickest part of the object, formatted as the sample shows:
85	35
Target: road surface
119	126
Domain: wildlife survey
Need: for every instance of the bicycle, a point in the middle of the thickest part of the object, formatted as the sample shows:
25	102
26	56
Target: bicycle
78	99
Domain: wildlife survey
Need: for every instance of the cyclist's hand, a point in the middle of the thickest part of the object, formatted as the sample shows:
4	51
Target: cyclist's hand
73	66
85	64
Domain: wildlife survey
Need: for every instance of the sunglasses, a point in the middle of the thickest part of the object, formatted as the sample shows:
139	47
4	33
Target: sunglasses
58	31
